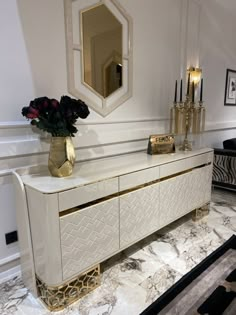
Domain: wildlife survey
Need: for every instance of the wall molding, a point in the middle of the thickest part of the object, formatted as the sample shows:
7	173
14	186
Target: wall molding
20	146
19	142
14	124
23	124
220	125
26	124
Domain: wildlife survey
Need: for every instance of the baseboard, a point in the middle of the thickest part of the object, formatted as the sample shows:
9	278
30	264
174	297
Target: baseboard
10	274
9	259
10	267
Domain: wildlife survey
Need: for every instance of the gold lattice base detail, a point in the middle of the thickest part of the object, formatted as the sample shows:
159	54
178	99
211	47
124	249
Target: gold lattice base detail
199	213
58	297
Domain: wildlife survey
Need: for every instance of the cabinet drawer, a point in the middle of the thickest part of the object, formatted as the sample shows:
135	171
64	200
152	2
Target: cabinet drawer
185	164
89	236
138	178
78	196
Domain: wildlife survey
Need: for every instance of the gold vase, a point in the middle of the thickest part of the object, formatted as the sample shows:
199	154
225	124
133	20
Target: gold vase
61	156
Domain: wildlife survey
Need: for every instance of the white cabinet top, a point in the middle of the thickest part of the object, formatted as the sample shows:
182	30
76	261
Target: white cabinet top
84	173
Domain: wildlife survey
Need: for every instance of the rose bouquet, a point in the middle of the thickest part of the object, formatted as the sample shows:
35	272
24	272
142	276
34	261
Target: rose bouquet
57	118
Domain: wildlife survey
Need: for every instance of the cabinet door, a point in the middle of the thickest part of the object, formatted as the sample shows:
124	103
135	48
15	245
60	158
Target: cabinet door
200	192
139	214
89	236
175	195
184	193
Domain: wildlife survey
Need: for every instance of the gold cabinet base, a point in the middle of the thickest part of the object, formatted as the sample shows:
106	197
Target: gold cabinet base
199	213
58	297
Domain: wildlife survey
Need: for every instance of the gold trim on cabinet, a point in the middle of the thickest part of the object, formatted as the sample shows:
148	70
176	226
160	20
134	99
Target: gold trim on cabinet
183	172
88	204
121	193
57	298
201	212
97	201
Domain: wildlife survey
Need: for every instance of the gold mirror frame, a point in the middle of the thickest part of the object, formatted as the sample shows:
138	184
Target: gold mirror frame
74	46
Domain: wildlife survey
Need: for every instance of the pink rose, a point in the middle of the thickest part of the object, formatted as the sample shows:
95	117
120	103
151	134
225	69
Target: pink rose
32	113
54	103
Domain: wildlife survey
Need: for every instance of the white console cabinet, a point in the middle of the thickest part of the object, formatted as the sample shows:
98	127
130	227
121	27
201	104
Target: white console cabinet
68	226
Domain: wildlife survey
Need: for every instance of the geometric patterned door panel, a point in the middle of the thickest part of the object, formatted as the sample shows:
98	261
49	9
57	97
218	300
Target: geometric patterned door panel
201	188
175	197
139	214
89	236
184	193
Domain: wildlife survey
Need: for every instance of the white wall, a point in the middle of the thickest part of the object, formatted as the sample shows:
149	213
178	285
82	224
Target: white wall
33	64
16	85
217	53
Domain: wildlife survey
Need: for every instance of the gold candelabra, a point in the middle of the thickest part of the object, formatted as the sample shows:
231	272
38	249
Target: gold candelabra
187	116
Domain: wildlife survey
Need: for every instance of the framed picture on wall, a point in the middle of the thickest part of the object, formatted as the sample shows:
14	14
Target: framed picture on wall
230	87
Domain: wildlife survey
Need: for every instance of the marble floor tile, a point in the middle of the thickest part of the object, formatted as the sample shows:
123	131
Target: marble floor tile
157	284
133	279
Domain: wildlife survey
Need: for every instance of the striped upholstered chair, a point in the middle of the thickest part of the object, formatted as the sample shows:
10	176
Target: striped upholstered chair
224	170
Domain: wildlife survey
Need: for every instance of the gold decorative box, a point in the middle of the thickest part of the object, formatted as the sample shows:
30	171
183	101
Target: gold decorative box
159	144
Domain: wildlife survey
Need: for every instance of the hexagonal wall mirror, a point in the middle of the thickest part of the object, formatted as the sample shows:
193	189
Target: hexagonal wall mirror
99	53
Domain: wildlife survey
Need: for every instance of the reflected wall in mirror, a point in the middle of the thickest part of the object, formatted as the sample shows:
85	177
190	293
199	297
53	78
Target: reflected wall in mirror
99	53
102	50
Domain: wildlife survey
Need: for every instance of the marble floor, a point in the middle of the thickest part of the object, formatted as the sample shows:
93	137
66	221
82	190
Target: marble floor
134	279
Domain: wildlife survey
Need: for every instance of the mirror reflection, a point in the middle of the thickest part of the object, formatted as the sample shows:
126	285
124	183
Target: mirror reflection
102	50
